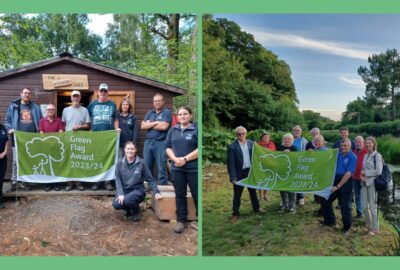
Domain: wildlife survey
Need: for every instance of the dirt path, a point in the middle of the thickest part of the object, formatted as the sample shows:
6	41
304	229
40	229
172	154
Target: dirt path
83	225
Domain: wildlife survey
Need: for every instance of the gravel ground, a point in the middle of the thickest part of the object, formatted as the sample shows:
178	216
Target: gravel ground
86	225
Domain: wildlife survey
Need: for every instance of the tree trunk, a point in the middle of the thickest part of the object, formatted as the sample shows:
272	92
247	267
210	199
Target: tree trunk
173	40
393	104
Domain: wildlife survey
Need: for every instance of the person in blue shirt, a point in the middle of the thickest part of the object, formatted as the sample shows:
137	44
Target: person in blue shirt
342	188
157	123
182	143
128	125
103	113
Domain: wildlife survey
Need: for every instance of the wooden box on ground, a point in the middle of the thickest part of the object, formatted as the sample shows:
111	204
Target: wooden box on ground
165	209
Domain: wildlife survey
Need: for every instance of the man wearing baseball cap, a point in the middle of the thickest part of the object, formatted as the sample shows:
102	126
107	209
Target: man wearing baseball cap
75	117
103	113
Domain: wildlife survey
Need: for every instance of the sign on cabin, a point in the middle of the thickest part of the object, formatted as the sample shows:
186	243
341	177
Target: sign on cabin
65	81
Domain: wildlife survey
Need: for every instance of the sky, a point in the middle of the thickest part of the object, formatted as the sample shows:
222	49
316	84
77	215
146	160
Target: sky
98	23
323	52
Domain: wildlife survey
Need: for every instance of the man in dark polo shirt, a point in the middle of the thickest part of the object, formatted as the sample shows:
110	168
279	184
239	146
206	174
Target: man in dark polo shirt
22	115
157	122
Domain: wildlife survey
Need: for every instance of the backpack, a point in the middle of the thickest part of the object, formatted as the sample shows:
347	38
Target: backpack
382	181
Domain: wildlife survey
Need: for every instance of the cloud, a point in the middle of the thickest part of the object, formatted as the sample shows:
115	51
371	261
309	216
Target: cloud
322	46
356	82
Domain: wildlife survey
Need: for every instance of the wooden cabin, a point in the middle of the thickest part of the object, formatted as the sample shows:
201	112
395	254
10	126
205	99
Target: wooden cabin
52	81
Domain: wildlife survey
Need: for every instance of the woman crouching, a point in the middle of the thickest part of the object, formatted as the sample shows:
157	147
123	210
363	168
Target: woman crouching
130	173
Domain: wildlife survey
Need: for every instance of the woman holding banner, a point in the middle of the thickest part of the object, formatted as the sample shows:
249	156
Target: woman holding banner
266	142
130	172
318	144
288	198
3	159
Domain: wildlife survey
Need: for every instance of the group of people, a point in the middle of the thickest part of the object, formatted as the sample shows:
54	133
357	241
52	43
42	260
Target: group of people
357	165
178	142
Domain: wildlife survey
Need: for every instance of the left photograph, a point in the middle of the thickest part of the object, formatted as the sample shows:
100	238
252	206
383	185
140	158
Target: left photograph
98	135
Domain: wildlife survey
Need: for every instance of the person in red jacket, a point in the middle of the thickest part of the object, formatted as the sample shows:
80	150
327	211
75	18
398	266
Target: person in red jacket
267	143
360	152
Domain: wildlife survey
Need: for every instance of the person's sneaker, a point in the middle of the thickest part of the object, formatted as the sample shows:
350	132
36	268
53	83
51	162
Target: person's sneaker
80	187
260	210
95	187
346	232
292	210
57	188
179	227
233	219
359	217
194	225
108	186
126	213
13	187
25	186
135	217
2	205
47	188
283	209
301	202
68	188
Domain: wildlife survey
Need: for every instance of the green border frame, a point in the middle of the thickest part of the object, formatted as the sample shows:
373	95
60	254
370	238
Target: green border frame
200	7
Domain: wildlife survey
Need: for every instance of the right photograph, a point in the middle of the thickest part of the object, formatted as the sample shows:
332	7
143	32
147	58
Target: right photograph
301	135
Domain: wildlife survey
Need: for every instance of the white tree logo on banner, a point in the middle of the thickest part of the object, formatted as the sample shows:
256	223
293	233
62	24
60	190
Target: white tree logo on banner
268	162
50	148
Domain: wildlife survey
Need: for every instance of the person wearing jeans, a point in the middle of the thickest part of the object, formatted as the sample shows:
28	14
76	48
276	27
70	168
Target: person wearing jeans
182	149
157	123
360	152
342	188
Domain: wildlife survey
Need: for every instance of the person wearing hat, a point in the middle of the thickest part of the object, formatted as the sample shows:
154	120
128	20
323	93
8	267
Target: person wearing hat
103	113
75	117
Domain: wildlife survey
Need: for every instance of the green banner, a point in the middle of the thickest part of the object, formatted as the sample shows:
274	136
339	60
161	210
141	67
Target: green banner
74	155
309	171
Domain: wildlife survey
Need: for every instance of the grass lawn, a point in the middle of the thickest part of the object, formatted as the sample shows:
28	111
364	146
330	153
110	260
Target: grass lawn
279	234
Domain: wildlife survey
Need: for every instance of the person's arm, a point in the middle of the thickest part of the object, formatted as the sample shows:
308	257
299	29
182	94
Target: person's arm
8	122
161	125
377	169
342	181
2	155
146	125
191	156
135	130
165	123
231	165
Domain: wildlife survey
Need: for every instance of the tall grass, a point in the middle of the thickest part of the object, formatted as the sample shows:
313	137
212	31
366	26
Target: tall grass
389	147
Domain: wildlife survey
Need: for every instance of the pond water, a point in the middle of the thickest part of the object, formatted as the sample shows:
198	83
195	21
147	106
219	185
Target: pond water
389	201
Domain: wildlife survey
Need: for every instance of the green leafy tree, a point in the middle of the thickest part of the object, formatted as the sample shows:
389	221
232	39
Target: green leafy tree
358	111
382	78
